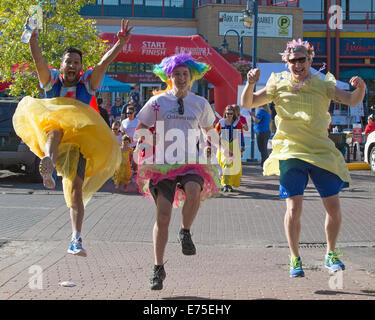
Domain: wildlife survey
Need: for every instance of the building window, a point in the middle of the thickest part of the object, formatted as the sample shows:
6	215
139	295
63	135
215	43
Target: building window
175	3
130	2
146	67
111	67
312	10
151	3
127	67
108	2
154	3
362	7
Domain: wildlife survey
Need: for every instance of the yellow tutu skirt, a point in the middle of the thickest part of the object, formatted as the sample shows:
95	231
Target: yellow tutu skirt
84	131
231	168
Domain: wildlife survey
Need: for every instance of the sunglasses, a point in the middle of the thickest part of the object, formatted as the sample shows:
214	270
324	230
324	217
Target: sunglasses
300	60
229	114
129	112
180	106
114	129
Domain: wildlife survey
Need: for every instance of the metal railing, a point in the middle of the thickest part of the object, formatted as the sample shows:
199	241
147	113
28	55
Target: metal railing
186	9
348	17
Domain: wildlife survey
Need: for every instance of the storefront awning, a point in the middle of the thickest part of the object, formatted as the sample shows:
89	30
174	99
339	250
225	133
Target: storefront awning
112	85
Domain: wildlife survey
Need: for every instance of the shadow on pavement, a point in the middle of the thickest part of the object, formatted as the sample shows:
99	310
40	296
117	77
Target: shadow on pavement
185	298
370	293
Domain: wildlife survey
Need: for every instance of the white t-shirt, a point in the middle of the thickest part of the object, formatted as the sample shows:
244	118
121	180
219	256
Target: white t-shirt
128	127
119	139
176	134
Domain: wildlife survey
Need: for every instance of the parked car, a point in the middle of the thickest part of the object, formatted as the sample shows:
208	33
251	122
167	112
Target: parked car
15	155
369	153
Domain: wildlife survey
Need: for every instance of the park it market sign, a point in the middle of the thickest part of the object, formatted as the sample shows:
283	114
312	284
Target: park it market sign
269	25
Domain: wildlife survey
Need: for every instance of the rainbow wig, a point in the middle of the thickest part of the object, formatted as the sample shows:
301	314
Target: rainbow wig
167	65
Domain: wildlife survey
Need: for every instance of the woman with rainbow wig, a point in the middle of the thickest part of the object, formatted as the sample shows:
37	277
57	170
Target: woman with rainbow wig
173	175
301	147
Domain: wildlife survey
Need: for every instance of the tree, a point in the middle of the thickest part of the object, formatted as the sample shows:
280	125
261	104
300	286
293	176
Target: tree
61	26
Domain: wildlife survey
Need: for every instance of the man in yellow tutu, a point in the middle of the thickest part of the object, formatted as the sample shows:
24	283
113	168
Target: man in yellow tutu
301	147
67	133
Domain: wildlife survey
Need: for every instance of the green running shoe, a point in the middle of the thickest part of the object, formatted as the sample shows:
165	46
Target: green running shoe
332	261
296	267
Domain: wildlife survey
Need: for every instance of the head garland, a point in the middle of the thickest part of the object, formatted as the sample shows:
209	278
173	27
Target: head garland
298	46
165	68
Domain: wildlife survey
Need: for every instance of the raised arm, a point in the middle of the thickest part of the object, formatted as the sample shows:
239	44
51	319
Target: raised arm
100	69
249	99
40	65
352	98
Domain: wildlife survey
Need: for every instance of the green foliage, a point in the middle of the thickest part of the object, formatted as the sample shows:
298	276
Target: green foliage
62	26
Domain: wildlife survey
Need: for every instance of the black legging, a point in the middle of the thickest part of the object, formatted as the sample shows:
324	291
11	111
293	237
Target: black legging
262	141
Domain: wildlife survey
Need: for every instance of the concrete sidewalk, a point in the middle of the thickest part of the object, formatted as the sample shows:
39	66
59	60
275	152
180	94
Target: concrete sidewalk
241	247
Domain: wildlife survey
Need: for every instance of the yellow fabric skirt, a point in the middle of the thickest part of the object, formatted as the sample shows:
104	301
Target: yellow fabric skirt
84	131
231	168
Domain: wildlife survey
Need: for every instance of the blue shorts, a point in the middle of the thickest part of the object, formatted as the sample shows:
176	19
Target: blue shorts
294	176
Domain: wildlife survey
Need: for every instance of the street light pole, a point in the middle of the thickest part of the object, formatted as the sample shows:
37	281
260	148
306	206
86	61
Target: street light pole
255	36
240	41
250	19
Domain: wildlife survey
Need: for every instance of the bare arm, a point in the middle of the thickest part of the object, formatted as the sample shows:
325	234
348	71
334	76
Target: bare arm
249	99
209	131
100	69
352	98
40	65
141	126
255	119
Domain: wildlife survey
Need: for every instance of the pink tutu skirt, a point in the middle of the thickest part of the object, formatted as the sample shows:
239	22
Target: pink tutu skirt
156	173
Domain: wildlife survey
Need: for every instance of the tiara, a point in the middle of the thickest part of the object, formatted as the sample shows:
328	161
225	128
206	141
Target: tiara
292	46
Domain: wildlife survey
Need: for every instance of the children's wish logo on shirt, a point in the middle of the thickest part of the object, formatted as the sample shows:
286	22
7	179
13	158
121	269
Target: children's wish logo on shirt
173	114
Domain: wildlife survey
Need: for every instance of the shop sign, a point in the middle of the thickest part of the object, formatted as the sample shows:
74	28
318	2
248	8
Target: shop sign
348	46
269	25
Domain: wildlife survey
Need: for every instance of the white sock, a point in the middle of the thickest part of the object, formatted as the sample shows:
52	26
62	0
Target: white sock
76	235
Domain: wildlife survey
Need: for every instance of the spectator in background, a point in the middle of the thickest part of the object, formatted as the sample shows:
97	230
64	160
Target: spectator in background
103	111
231	136
128	127
116	130
122	175
136	97
262	119
125	108
241	118
116	111
371	124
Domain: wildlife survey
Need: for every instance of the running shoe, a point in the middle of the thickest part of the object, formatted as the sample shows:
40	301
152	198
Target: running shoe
332	261
296	267
188	247
226	188
76	249
47	169
157	278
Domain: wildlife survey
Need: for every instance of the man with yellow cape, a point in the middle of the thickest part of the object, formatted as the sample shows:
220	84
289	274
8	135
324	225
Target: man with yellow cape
67	133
